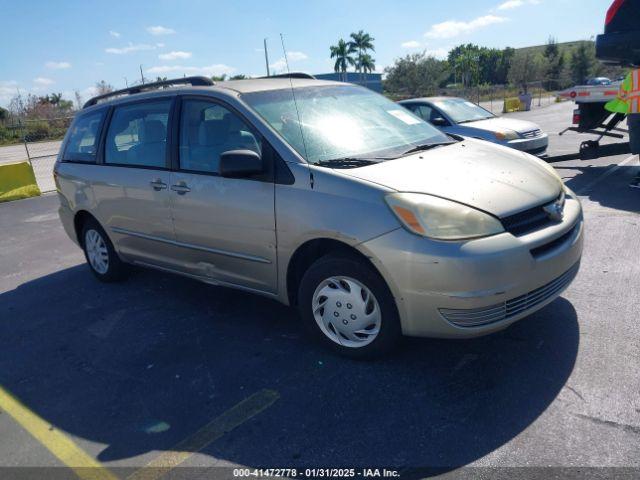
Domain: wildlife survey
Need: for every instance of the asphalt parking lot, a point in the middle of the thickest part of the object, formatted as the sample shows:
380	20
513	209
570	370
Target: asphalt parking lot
165	371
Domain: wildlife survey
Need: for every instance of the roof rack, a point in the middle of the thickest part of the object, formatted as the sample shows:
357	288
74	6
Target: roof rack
194	81
292	75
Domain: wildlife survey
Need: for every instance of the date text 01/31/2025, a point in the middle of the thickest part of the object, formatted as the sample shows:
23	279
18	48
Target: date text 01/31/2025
316	472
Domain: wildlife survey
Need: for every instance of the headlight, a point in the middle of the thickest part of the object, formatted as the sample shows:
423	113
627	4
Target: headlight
506	135
441	219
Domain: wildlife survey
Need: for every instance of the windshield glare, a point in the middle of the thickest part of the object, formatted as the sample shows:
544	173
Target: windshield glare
342	122
461	110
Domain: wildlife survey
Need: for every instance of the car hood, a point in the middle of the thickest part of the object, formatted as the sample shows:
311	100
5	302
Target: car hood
496	179
501	123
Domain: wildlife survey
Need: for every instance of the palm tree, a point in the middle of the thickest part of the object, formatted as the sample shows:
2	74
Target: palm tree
367	65
342	53
361	42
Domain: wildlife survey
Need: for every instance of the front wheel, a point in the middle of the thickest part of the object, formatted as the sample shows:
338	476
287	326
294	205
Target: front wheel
346	304
100	254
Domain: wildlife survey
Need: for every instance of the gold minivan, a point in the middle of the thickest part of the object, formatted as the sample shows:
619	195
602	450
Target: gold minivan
323	195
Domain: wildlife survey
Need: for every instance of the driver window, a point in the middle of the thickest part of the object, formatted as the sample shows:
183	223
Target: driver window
424	112
207	130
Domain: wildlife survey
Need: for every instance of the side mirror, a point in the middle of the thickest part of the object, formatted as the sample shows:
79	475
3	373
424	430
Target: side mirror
439	122
240	164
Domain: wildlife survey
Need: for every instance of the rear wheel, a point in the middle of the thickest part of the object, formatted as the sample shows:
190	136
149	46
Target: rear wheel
100	254
345	304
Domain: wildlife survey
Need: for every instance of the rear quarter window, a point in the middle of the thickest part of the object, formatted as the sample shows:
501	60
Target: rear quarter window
84	136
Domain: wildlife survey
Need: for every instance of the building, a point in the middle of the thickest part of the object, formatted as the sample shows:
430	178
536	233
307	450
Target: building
373	80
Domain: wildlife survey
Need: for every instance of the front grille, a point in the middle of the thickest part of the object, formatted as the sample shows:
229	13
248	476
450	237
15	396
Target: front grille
532	133
510	308
527	221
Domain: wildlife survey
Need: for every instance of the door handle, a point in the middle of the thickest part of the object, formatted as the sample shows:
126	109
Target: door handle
158	185
180	188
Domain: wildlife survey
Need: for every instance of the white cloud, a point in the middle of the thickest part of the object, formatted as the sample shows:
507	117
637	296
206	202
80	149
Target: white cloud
115	34
43	81
511	4
210	70
410	44
57	65
296	56
453	28
8	89
160	30
174	55
439	53
160	45
130	48
281	63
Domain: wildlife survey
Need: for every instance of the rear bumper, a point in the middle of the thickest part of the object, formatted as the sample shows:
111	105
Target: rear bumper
619	48
468	289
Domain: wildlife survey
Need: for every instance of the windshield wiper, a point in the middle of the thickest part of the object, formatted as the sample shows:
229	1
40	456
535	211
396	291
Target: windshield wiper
346	162
426	146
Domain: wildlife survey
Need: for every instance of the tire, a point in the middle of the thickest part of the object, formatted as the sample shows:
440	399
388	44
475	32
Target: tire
343	301
108	267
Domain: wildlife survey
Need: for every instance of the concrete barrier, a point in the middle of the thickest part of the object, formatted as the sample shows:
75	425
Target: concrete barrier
17	180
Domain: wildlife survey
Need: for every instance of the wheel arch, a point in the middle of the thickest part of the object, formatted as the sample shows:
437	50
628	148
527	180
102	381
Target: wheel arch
310	251
79	219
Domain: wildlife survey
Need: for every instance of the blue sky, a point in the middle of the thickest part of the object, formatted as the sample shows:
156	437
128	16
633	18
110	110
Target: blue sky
62	46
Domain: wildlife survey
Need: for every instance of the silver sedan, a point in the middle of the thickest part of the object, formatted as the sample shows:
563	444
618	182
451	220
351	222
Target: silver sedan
461	117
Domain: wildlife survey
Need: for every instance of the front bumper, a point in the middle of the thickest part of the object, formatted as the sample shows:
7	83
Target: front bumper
467	289
535	145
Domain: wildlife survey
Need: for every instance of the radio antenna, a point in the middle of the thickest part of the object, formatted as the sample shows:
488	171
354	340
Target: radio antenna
295	103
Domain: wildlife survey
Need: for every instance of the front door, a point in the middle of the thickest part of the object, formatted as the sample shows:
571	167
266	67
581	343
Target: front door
224	226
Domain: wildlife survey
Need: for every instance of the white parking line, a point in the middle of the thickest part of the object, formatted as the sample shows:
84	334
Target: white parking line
604	175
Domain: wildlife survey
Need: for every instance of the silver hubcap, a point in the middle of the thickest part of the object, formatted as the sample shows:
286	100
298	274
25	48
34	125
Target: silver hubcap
347	312
96	251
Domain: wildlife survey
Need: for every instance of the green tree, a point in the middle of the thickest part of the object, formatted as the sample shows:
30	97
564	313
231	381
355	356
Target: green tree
367	65
342	53
4	114
415	75
555	65
361	42
583	61
239	76
526	67
219	78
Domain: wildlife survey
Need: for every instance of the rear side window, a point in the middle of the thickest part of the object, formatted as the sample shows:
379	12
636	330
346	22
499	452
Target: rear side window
137	134
84	136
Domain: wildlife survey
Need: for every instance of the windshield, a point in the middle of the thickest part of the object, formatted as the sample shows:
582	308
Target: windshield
461	110
342	121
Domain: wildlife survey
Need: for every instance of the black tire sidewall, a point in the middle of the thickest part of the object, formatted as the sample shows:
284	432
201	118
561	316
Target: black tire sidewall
337	265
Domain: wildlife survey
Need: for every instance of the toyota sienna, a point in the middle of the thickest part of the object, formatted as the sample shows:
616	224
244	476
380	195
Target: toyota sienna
322	195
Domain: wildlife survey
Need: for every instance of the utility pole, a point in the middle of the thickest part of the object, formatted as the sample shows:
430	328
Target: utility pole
141	75
266	57
126	82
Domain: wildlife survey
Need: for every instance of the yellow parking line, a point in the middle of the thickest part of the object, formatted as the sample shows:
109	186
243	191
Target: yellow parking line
84	466
229	420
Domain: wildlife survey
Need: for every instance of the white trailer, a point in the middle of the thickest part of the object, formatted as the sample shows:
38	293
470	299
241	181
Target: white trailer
590	116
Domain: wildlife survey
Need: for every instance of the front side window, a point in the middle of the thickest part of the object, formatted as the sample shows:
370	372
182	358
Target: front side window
462	111
207	130
83	138
137	134
333	122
